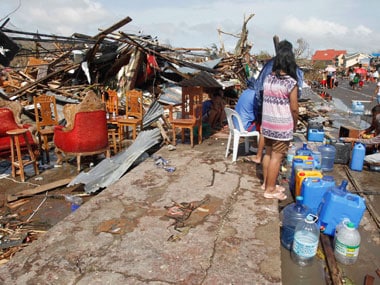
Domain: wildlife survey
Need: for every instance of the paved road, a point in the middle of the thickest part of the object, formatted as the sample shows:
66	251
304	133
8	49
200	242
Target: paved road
345	94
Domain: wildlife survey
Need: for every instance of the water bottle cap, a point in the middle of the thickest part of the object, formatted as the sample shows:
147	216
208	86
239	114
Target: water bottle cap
350	225
299	198
311	219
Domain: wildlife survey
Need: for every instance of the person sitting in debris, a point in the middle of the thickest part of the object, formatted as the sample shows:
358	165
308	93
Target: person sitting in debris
213	110
245	108
371	135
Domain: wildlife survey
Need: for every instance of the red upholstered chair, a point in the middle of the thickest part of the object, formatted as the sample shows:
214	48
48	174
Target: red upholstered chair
7	123
89	136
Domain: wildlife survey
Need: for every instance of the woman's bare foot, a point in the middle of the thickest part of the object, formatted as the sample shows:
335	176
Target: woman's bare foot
279	188
275	195
256	159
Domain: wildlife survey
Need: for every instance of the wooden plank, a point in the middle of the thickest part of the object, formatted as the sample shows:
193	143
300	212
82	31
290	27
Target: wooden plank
114	27
371	209
335	274
15	95
39	189
368	280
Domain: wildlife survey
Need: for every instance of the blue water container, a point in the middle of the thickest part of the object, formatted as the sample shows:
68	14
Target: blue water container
290	216
313	189
304	150
338	204
314	135
357	159
357	107
328	152
305	163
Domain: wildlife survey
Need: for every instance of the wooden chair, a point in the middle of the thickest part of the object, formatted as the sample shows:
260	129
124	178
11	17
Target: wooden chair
111	100
188	122
46	116
133	113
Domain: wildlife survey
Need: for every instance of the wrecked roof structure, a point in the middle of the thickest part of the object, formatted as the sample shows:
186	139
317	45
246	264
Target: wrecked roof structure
36	63
67	67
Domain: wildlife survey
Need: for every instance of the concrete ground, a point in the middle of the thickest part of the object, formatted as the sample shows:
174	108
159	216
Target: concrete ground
123	236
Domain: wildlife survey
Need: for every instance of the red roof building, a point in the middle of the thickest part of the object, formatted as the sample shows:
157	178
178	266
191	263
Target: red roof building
328	56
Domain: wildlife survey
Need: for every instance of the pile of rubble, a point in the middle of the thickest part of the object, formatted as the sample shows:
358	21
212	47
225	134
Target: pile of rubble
36	63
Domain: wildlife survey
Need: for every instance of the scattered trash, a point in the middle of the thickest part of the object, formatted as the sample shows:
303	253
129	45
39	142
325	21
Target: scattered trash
39	178
169	168
4	175
161	162
74	200
171	147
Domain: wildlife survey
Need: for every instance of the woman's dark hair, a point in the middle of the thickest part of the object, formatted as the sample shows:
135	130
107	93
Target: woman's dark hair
285	60
376	109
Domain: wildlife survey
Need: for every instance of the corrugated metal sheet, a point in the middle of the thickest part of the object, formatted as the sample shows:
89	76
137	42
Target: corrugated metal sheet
109	170
203	79
209	64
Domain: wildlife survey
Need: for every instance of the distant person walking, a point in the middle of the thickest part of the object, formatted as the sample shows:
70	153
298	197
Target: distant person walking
375	76
376	93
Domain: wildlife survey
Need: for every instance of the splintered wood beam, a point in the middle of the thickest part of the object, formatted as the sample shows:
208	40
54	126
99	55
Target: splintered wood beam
21	91
113	27
39	189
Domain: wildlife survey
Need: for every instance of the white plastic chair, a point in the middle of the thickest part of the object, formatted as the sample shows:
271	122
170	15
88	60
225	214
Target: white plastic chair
237	132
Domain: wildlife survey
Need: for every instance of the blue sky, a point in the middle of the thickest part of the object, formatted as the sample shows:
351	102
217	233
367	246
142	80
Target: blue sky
350	25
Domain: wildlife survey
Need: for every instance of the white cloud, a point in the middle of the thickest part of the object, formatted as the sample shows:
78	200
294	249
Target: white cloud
346	24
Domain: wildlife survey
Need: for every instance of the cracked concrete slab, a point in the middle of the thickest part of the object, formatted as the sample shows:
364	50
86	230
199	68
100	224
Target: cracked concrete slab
121	236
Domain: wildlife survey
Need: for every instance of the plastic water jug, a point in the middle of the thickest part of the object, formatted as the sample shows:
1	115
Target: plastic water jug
357	107
357	159
328	152
304	150
306	239
338	204
314	135
290	216
299	163
346	242
313	189
301	175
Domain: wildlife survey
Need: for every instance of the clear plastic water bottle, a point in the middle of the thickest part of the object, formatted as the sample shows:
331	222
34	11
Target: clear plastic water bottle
306	239
317	159
291	153
290	216
347	243
328	152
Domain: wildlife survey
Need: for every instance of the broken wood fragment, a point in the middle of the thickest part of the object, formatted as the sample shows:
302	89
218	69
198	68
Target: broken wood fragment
368	280
39	189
